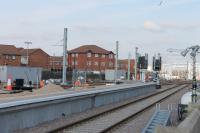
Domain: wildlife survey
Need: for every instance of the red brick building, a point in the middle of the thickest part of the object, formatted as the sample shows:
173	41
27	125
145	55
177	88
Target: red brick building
90	58
56	63
123	65
9	55
36	58
13	56
83	58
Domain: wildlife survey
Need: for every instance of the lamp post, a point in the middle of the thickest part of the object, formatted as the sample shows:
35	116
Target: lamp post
27	54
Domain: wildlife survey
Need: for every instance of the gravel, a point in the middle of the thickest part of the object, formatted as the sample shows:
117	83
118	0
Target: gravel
48	89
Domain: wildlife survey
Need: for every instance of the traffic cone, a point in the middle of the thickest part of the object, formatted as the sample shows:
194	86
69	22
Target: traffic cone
42	84
9	85
78	83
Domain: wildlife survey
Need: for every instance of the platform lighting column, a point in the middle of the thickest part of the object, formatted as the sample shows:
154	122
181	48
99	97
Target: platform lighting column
27	52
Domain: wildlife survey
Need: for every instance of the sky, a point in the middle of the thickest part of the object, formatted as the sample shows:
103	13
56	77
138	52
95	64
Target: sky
146	24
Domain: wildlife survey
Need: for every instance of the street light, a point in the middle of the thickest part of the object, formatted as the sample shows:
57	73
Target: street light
27	56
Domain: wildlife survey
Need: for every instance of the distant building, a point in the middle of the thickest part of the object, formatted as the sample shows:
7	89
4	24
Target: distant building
56	63
123	65
13	56
36	58
180	71
91	58
9	55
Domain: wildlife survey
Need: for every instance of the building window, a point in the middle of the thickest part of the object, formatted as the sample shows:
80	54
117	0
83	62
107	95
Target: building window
24	60
72	55
13	57
111	56
74	62
7	57
89	54
96	55
76	55
96	63
103	63
110	64
103	56
89	63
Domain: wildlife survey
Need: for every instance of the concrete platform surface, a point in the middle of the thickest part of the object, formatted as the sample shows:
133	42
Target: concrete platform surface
9	102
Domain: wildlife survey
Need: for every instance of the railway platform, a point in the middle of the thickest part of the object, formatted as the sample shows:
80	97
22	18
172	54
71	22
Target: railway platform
29	111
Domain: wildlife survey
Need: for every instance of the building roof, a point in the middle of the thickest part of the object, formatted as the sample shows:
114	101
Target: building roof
30	51
9	50
24	51
56	58
90	48
12	50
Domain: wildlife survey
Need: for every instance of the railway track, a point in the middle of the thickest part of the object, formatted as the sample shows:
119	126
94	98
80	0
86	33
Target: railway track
107	120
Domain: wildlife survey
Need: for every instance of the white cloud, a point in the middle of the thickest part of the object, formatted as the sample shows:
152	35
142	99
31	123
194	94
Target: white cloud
180	26
151	26
168	26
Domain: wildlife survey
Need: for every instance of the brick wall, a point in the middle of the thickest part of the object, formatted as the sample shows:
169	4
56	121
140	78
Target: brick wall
93	63
123	65
12	60
55	63
39	59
